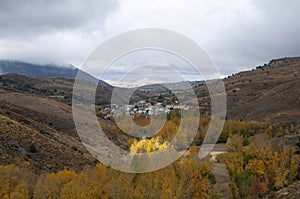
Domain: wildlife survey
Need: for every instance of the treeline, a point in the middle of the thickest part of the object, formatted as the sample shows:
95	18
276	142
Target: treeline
171	127
246	129
185	178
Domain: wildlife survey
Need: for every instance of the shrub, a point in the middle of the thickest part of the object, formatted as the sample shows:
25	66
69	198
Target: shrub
32	148
246	142
74	148
298	143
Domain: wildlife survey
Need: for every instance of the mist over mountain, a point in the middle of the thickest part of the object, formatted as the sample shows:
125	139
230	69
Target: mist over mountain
49	70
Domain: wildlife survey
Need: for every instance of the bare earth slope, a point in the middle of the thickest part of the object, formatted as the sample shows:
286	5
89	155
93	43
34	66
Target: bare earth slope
36	125
269	93
48	151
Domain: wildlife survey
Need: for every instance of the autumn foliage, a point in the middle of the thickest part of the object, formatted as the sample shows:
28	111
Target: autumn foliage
258	161
266	164
183	179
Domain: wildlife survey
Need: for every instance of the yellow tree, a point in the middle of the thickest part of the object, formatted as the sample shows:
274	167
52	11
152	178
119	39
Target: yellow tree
15	182
50	186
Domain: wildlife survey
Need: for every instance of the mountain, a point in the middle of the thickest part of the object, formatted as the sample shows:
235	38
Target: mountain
35	70
166	87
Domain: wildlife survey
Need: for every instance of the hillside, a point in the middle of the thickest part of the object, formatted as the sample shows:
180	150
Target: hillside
37	128
59	89
269	93
44	149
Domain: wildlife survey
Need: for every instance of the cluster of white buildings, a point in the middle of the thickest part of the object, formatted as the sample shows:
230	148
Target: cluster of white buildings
142	108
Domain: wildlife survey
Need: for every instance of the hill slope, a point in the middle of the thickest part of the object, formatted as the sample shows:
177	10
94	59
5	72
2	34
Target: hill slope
37	111
269	93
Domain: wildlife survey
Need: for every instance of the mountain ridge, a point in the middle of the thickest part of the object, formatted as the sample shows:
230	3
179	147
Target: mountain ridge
47	70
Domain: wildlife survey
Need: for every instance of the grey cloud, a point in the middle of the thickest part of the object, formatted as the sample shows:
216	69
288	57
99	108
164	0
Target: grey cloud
140	62
33	17
237	34
249	42
55	31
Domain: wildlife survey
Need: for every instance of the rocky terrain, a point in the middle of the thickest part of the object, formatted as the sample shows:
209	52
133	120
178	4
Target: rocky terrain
290	192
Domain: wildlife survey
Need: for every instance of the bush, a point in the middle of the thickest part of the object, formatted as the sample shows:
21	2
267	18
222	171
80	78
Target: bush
74	148
32	148
298	143
246	142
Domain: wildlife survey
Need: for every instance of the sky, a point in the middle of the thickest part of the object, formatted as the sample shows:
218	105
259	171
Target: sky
237	34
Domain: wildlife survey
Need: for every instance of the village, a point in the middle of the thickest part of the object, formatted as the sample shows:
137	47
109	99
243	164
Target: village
141	108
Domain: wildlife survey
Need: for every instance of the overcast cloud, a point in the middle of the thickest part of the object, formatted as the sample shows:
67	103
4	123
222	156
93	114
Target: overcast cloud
236	34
